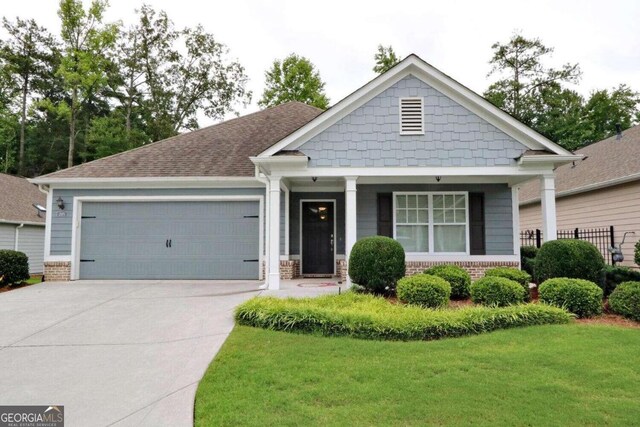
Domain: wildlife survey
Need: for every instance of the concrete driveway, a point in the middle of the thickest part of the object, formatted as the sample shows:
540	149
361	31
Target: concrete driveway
114	353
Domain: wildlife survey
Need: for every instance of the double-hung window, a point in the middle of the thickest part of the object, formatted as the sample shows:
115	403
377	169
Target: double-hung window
432	222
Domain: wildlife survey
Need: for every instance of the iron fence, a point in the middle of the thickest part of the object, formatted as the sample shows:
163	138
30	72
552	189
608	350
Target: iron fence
601	238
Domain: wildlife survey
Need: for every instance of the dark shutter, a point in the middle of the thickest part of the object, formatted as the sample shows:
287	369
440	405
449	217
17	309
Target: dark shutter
385	214
476	224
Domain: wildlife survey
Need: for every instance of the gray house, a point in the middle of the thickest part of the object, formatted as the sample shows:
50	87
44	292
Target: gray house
287	191
21	223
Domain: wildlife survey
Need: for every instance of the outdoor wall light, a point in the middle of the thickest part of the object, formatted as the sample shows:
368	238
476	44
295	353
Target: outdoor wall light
438	178
60	203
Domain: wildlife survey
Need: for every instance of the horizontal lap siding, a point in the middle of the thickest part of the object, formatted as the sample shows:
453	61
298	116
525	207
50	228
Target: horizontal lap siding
31	242
498	212
8	236
618	206
61	225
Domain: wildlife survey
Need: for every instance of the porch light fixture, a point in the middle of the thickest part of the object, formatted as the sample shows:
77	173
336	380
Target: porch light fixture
60	203
438	178
314	178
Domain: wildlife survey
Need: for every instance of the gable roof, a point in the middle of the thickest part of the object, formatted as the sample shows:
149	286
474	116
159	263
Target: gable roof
605	163
18	196
219	150
414	65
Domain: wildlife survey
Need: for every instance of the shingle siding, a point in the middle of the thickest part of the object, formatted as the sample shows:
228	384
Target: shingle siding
497	200
369	136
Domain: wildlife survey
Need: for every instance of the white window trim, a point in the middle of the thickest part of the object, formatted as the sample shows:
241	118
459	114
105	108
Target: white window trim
413	98
430	195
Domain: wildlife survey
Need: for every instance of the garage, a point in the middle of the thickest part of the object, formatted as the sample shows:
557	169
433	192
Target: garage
169	240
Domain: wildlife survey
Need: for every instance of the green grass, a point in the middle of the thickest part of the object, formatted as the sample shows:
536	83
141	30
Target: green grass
564	375
34	280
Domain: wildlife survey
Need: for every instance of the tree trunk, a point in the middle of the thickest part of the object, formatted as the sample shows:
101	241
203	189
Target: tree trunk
72	127
23	120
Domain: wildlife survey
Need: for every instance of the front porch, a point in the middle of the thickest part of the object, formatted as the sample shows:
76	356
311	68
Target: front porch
470	221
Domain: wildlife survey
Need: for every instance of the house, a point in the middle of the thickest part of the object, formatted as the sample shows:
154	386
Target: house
601	190
22	223
287	191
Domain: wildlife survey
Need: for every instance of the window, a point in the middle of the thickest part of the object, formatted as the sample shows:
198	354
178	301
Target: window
431	222
411	116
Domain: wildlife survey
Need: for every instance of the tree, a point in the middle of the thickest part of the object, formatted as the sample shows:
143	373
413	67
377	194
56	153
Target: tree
27	56
86	41
293	79
519	63
385	58
606	109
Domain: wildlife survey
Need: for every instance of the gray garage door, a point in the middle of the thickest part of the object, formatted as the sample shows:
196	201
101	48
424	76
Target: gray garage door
169	240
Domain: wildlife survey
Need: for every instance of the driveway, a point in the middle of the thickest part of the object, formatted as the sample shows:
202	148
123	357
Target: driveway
114	353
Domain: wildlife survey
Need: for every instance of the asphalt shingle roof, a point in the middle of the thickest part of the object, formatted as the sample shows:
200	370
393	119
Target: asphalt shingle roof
17	196
219	150
606	160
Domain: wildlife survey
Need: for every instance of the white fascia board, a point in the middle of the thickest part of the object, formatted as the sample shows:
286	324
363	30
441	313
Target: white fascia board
544	159
12	222
587	188
413	171
153	182
413	65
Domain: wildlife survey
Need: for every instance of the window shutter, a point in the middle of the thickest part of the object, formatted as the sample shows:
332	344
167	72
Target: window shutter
411	116
385	214
476	224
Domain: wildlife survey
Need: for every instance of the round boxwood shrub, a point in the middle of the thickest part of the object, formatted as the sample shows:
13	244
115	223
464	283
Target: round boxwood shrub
625	300
528	258
497	291
376	263
14	267
612	276
457	277
581	297
424	290
576	259
519	276
636	254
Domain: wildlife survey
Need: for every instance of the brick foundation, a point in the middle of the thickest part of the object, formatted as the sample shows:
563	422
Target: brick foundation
57	271
475	268
289	269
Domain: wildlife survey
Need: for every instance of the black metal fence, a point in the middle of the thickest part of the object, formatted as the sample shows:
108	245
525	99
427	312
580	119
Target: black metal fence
601	238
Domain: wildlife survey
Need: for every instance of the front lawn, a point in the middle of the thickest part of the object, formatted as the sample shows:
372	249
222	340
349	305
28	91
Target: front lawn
574	374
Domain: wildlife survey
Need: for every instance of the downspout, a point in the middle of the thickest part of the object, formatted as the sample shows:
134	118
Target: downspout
15	245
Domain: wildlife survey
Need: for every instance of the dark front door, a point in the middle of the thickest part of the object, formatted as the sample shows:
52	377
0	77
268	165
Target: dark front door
317	238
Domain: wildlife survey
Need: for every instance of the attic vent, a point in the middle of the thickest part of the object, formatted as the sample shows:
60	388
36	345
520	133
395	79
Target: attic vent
411	116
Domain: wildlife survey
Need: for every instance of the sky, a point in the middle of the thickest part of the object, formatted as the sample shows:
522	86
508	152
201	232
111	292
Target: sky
341	37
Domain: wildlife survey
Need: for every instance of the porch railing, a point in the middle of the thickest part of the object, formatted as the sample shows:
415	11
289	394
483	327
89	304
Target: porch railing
601	238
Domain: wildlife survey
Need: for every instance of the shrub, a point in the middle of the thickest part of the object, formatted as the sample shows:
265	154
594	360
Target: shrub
424	290
371	317
582	297
528	258
457	277
376	263
497	291
576	259
613	276
636	253
521	277
14	267
625	300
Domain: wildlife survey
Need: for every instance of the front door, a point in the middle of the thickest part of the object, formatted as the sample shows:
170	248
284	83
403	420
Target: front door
318	238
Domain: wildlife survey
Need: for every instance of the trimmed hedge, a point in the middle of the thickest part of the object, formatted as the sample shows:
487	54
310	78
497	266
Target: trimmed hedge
582	297
14	267
370	317
576	259
376	263
625	300
528	258
457	277
521	277
497	291
613	276
636	253
424	290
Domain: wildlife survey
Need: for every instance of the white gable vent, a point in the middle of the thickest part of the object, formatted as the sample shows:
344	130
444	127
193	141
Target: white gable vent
411	116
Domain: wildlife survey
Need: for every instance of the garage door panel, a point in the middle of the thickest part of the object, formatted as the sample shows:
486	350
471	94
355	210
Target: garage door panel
209	240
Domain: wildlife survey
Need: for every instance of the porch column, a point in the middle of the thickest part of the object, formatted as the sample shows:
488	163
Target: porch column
350	218
548	203
273	279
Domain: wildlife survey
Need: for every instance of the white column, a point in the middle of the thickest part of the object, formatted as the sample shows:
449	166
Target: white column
515	213
273	251
350	217
548	203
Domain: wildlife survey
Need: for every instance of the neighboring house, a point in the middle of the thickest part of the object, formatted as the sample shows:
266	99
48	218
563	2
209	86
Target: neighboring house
412	154
21	225
601	190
